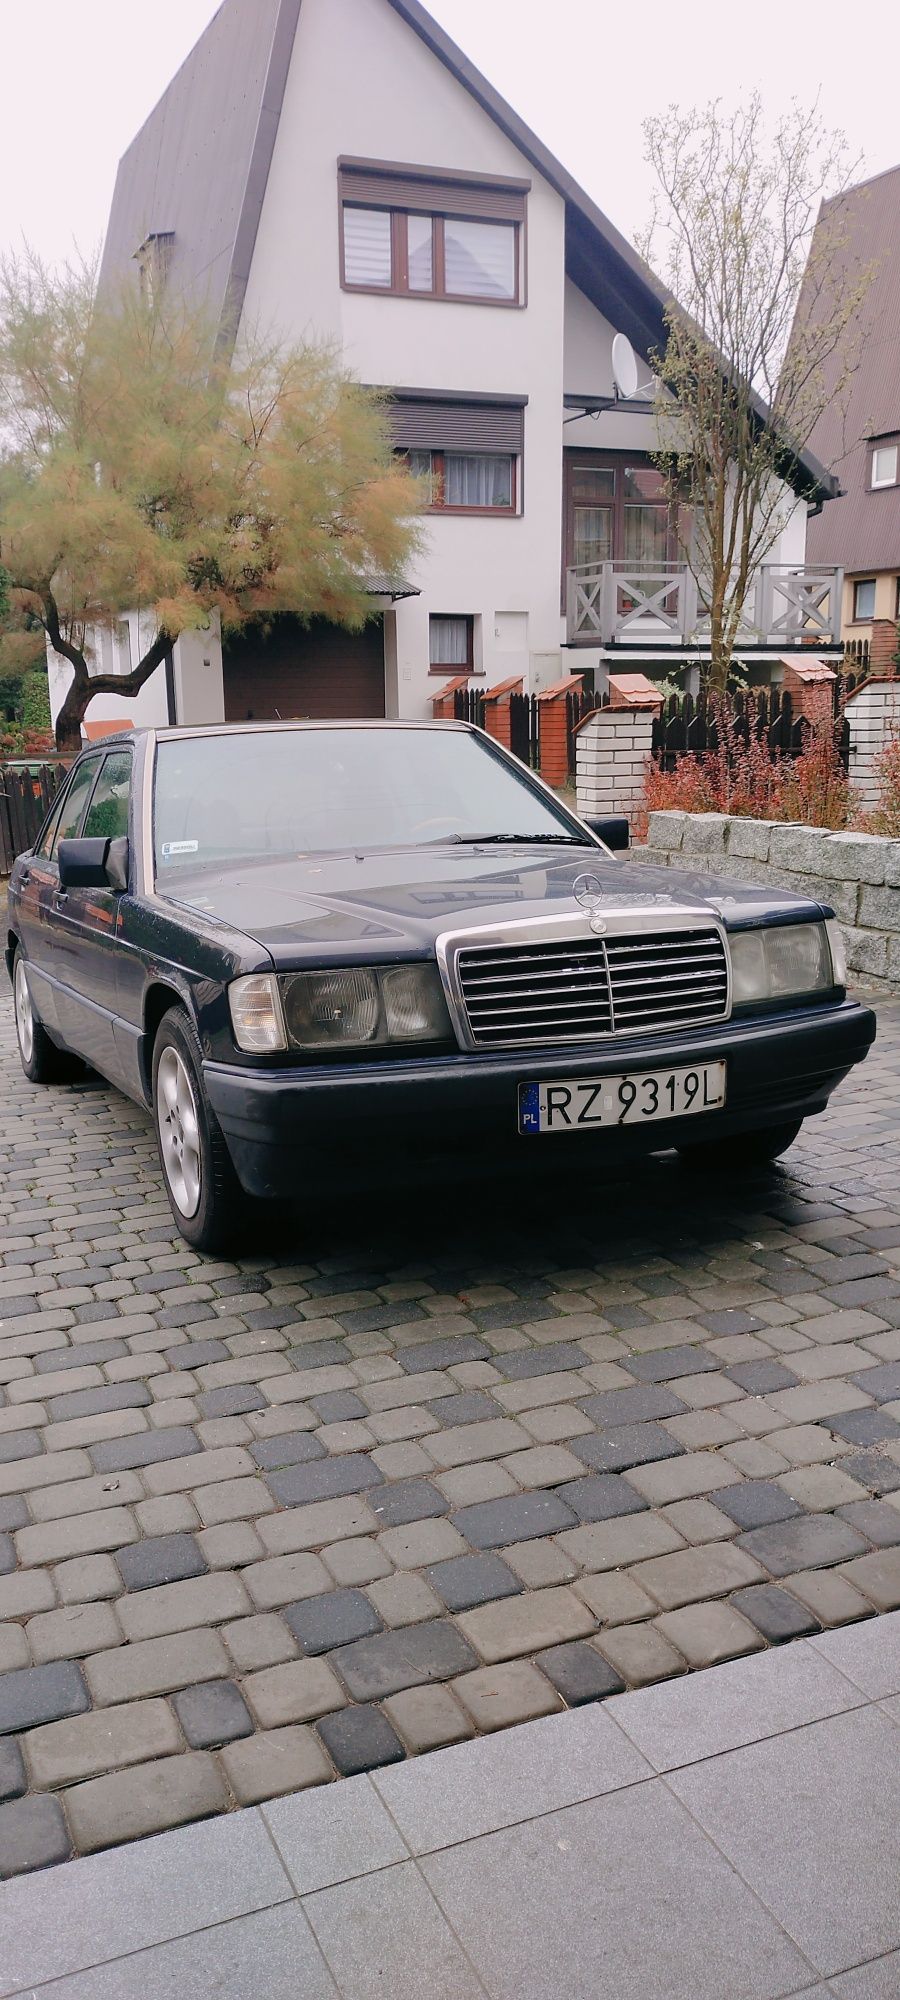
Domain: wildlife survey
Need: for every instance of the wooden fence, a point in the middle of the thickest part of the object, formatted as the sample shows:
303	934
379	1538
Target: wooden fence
688	724
25	800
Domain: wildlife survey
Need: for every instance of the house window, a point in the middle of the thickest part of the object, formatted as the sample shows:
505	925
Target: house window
414	232
884	465
466	482
618	510
864	599
451	642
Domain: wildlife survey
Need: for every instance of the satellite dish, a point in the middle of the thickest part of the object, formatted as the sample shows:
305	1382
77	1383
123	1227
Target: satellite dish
624	365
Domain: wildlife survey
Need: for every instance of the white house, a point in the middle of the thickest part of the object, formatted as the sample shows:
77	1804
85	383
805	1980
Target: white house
338	168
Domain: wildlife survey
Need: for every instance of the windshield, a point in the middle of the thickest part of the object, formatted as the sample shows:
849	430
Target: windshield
252	796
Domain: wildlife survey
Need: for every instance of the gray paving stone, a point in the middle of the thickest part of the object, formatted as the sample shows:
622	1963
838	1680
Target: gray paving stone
406	1500
491	1524
390	1661
338	1406
463	1581
626	1445
148	1448
774	1612
147	1798
211	1714
289	1448
525	1362
332	1619
670	1363
873	1469
154	1666
234	1400
882	1382
325	1479
94	1402
360	1739
760	1378
811	1541
640	1405
755	1503
13	1780
468	1407
33	1834
579	1673
196	1353
41	1694
16	1445
876	1519
160	1559
601	1497
102	1739
445	1352
864	1426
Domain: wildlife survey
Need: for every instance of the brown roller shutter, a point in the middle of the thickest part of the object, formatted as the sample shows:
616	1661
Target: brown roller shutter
314	671
371	184
437	426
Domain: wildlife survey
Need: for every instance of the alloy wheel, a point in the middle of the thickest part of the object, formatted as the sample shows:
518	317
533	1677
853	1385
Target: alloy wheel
24	1014
179	1130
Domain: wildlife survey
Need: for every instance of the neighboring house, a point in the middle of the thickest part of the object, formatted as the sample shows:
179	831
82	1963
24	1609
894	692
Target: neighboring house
337	168
858	437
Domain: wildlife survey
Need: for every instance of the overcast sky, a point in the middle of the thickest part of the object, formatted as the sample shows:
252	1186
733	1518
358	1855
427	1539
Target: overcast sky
80	76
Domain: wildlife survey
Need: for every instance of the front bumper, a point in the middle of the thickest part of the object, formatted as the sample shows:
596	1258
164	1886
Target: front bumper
423	1116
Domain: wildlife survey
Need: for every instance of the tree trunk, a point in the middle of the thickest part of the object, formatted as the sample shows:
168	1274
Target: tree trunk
71	716
84	685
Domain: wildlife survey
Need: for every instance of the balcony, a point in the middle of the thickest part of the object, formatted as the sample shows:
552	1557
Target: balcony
636	604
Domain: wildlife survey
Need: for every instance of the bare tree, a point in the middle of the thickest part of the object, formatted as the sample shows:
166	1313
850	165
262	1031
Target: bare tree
760	330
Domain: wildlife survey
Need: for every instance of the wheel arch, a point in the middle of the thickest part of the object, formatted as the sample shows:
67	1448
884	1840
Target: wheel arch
160	996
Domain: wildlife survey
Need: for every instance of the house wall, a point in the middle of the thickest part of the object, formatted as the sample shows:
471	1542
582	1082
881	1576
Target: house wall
395	101
197	662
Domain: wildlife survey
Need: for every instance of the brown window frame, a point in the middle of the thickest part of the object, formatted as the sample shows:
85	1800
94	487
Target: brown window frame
863	617
579	459
466	666
444	196
399	287
438	474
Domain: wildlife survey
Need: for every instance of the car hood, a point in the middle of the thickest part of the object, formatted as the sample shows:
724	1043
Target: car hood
374	906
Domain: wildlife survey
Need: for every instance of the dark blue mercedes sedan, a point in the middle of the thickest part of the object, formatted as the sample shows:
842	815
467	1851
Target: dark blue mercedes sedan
323	952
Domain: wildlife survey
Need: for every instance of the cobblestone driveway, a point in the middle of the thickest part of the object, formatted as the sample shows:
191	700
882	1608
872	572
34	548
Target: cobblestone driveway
435	1470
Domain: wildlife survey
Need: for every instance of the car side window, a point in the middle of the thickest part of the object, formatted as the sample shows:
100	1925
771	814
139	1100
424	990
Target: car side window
44	845
107	814
74	803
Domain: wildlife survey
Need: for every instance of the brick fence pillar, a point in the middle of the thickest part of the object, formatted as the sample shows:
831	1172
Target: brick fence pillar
442	705
613	748
496	709
553	731
873	714
884	646
810	684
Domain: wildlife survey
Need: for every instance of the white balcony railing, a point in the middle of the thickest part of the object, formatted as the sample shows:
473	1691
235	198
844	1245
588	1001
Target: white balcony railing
616	602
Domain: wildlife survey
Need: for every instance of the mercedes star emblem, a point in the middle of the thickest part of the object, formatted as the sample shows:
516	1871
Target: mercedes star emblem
588	891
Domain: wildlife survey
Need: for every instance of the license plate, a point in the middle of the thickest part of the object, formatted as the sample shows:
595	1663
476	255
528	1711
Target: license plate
638	1097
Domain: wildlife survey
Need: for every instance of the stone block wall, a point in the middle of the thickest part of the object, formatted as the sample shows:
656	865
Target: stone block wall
857	874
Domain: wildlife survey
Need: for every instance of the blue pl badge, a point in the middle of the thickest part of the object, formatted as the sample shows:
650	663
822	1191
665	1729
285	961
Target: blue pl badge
529	1107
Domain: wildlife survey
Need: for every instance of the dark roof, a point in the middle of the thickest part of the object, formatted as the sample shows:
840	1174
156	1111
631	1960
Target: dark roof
199	166
861	530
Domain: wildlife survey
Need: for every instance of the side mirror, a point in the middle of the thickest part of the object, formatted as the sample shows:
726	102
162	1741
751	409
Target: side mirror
614	832
93	864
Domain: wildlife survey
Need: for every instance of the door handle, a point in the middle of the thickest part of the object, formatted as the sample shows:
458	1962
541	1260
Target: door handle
25	875
61	896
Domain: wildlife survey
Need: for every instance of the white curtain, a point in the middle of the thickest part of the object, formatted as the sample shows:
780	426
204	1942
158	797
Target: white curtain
477	482
449	641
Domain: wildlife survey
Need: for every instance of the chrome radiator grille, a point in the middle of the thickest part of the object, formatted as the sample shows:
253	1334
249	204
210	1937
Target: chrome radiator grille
577	989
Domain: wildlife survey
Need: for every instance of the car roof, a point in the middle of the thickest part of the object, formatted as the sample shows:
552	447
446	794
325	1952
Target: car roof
186	730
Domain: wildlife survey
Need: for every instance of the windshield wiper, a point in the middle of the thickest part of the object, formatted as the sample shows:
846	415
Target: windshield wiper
509	840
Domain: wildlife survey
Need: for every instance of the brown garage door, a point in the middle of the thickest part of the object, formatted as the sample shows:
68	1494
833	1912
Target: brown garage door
295	670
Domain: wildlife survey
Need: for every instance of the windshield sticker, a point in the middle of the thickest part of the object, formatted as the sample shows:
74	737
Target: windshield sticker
171	847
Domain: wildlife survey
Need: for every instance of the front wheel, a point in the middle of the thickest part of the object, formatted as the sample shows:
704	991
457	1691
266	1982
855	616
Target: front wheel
202	1186
41	1060
743	1150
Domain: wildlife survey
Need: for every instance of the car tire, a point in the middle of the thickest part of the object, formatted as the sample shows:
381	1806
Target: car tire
41	1060
202	1187
743	1151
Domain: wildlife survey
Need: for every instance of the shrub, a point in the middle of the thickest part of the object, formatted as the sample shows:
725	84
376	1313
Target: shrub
750	780
885	814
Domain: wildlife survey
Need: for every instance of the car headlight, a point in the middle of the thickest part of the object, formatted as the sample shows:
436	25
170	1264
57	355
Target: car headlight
256	1016
782	961
360	1006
